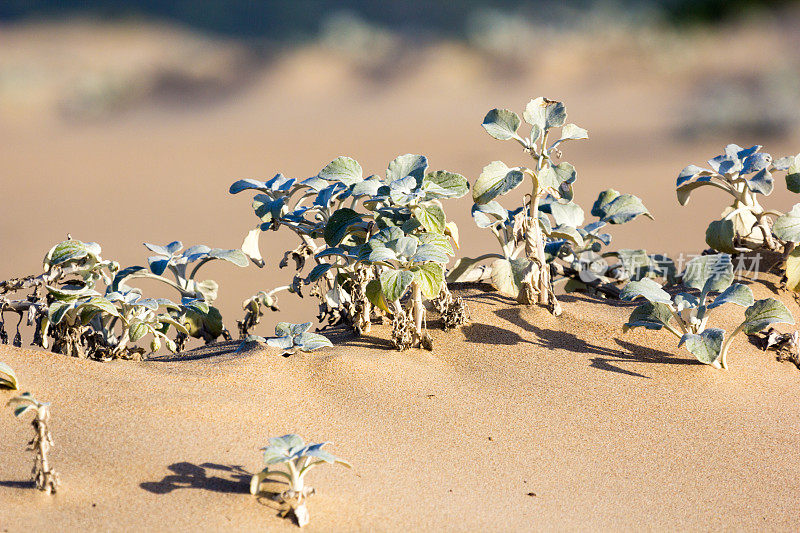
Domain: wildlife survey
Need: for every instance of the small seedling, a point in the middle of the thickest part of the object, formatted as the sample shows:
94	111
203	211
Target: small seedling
686	314
299	458
292	338
254	309
8	379
44	477
548	225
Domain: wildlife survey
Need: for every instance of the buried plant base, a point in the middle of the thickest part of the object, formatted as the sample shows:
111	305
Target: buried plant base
299	459
44	477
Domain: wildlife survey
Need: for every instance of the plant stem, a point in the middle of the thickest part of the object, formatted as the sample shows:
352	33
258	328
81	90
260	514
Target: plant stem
723	357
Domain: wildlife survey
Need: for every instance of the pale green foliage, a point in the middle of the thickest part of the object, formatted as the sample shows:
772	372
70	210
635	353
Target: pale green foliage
686	314
8	379
372	239
744	174
298	459
292	338
548	231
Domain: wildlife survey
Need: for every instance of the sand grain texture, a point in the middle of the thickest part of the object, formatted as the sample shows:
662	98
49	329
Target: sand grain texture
610	432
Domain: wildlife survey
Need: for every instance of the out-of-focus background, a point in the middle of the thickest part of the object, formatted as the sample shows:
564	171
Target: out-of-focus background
125	121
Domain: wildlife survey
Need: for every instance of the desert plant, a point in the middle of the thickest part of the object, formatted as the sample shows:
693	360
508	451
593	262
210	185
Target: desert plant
253	309
349	218
744	174
548	224
686	314
292	338
8	379
44	477
299	459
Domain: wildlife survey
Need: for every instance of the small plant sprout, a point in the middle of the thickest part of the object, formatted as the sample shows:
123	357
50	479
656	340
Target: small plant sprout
686	314
744	174
292	338
44	477
299	458
253	309
8	379
547	225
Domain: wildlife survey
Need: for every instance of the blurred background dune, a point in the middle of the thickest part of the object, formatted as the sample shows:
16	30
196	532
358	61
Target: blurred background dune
126	121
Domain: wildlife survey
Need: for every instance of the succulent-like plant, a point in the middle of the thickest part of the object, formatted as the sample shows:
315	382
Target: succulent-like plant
342	217
8	379
744	174
44	477
548	225
299	459
686	314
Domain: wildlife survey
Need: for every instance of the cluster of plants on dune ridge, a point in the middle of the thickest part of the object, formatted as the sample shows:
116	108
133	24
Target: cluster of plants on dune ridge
43	475
298	459
709	283
82	304
546	238
366	243
746	225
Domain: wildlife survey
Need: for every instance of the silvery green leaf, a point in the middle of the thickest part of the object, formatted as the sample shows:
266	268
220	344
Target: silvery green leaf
545	113
764	313
367	187
314	183
566	232
442	184
298	329
720	236
243	185
569	214
66	251
761	182
554	177
193	253
375	295
280	183
158	264
571	132
405	246
237	257
495	179
196	305
431	217
149	303
407	165
784	162
650	316
430	252
645	288
395	283
70	292
268	209
137	330
430	277
793	270
616	208
437	239
57	311
250	246
685	300
402	191
507	275
787	227
281	449
501	124
685	190
308	342
755	163
705	346
488	214
793	181
338	224
736	294
282	343
158	249
691	172
343	169
381	254
709	273
283	329
725	164
8	379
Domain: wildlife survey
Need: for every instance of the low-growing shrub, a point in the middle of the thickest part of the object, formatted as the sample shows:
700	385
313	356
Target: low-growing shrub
686	314
372	240
298	458
546	235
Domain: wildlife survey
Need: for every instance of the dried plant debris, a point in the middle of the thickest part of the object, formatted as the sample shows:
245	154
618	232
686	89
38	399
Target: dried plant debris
44	476
298	459
709	283
366	243
787	345
545	239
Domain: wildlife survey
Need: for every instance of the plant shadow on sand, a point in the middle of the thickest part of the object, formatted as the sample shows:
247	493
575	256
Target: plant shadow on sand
630	352
230	479
18	484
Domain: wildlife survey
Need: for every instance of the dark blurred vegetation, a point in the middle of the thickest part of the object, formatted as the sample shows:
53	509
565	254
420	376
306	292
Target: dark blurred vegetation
292	20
